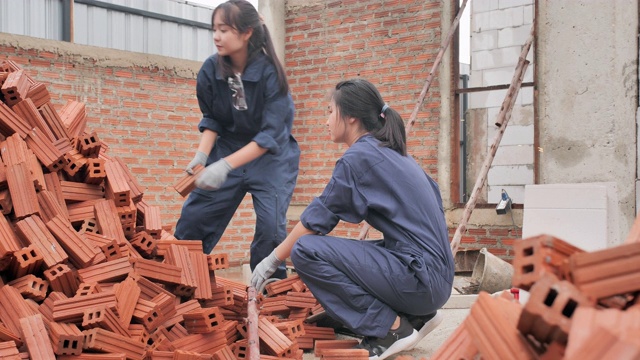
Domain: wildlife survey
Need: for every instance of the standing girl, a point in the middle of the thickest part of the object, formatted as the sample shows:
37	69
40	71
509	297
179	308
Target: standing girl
389	290
246	142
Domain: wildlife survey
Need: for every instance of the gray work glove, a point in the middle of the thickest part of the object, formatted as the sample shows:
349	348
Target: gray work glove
214	175
264	270
199	158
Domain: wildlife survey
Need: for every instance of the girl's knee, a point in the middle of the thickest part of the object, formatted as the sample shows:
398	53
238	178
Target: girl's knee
299	251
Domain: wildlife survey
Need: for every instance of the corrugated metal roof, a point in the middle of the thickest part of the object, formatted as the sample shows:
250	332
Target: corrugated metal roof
133	25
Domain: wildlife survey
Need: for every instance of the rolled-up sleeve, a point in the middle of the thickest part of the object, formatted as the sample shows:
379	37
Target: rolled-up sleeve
205	92
340	200
277	112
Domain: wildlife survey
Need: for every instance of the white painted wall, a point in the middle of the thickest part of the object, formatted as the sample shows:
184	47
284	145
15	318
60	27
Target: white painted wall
499	28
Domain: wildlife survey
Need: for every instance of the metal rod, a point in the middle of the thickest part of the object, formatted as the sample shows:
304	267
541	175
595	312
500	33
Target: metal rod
145	13
67	20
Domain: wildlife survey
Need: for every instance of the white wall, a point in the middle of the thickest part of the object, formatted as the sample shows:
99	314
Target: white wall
499	28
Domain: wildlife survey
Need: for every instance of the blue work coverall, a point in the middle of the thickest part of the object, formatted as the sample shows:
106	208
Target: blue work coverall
364	284
269	179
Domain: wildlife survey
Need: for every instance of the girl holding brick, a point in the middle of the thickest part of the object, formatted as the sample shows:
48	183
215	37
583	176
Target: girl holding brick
389	290
246	142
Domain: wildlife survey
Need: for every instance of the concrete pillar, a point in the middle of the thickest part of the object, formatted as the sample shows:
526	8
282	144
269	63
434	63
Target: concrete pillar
587	82
273	12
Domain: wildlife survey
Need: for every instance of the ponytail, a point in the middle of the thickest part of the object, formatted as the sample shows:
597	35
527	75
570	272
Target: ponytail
360	99
392	133
270	51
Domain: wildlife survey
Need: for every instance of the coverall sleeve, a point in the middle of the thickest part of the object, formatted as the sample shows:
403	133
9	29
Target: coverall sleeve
278	108
340	200
206	93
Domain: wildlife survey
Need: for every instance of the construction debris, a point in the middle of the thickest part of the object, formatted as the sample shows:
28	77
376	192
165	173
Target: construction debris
581	305
87	269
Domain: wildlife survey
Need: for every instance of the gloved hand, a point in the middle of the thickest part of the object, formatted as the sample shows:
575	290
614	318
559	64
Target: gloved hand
264	270
214	175
199	158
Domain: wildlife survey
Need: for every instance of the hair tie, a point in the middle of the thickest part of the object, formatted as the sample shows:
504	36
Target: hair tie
384	108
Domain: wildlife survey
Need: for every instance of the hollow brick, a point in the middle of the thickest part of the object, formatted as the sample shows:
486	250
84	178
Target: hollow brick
66	339
187	183
52	158
9	241
89	145
144	243
193	245
51	117
53	185
218	261
604	273
161	272
492	325
179	256
224	354
107	341
203	320
15	87
23	193
7	336
72	310
103	317
202	276
94	172
33	231
11	123
208	343
9	351
116	185
538	255
74	191
127	294
62	279
28	111
35	338
50	207
73	115
31	287
81	251
548	313
14	150
75	162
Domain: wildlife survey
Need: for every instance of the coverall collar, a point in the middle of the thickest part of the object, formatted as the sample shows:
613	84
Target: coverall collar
252	72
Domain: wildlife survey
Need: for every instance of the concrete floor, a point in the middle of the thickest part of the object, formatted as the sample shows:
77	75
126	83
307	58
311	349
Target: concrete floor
455	311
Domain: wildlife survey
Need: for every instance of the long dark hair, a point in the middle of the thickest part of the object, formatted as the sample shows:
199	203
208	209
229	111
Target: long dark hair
242	16
360	99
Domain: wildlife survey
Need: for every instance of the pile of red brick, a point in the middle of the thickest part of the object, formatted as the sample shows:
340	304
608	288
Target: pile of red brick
582	305
87	270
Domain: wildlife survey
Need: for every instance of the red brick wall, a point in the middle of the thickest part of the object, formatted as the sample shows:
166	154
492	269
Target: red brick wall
144	115
390	43
147	114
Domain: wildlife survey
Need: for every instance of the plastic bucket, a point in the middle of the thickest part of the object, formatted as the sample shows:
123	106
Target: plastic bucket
491	273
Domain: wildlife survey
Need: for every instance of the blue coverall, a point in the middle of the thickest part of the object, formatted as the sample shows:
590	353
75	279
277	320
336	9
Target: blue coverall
269	179
364	284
